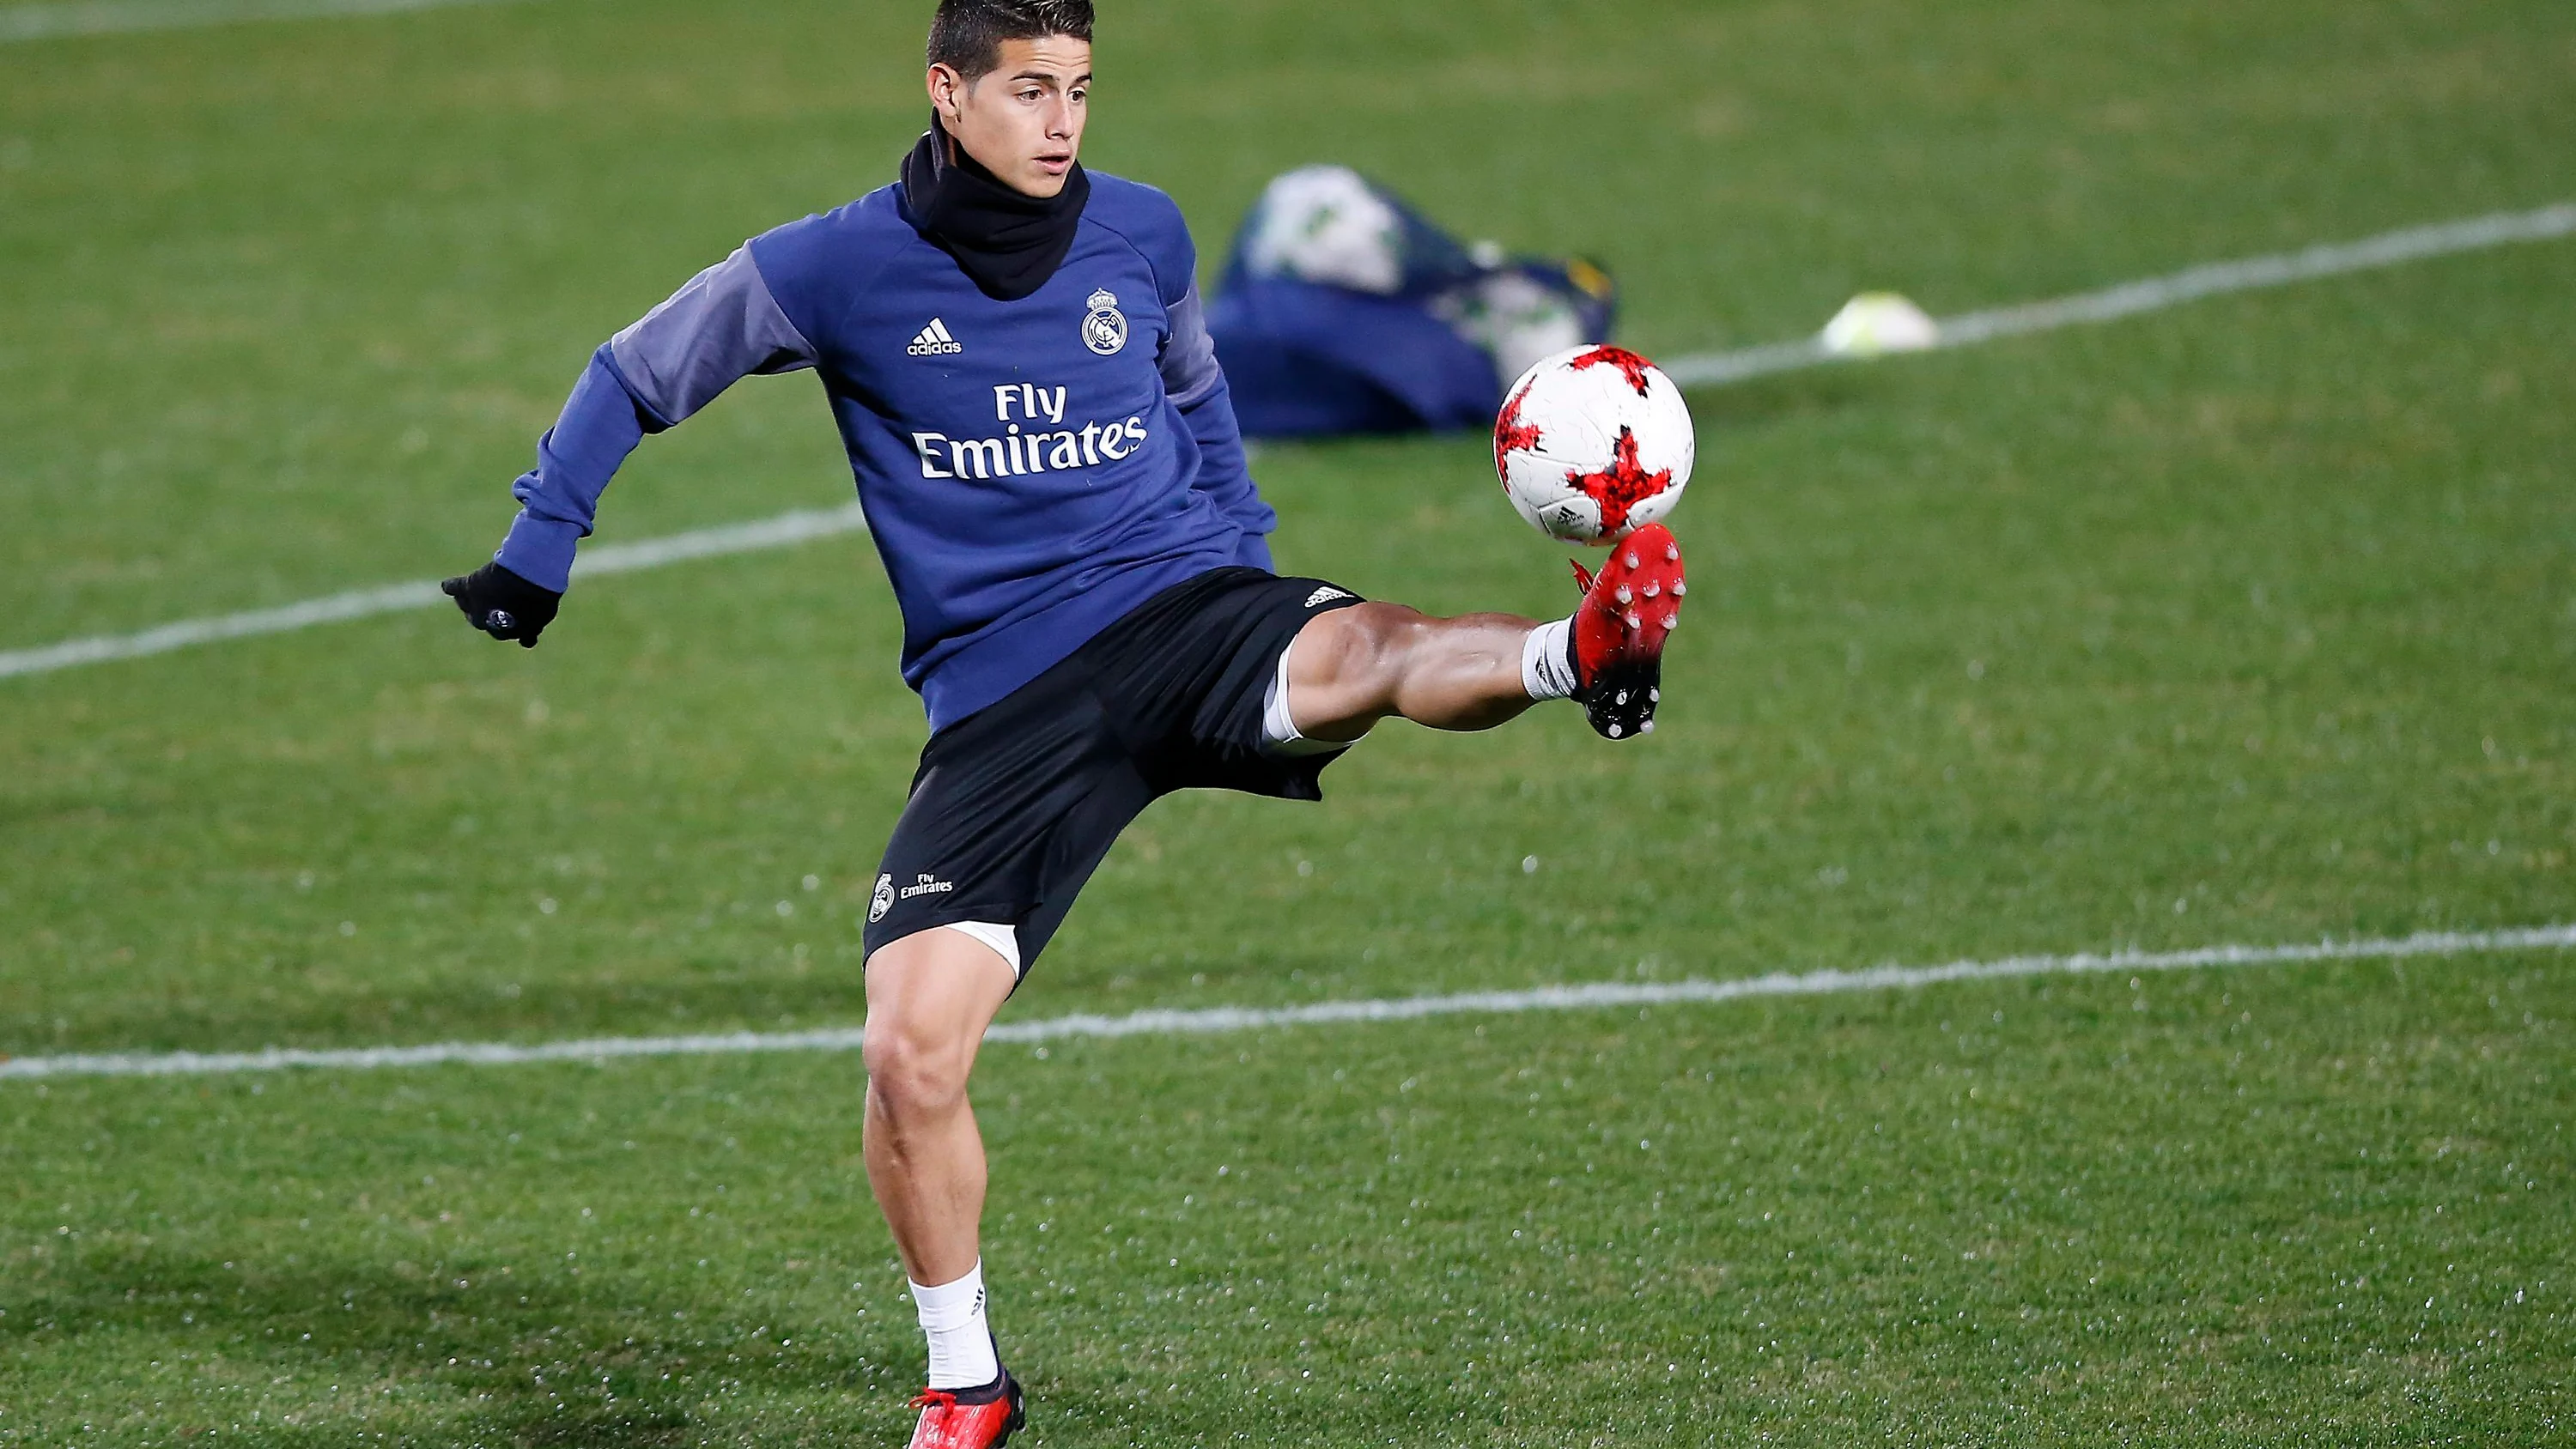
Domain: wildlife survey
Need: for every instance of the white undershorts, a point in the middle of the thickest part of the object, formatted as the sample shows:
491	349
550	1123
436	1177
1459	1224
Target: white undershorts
1004	941
1279	734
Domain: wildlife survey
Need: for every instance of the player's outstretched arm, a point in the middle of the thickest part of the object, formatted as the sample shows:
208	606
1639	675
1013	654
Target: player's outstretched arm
723	326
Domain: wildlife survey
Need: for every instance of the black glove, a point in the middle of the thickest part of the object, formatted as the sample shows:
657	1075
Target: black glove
504	605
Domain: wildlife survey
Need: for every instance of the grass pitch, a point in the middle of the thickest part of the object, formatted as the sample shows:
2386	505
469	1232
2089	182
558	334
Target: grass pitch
2245	622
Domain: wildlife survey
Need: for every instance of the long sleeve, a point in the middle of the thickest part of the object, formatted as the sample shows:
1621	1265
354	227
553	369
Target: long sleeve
723	326
1197	386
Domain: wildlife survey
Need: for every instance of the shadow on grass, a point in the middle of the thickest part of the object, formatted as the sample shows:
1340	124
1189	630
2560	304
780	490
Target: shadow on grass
541	1358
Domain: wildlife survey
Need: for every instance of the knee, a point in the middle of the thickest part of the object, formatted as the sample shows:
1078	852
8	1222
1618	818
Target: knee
912	1073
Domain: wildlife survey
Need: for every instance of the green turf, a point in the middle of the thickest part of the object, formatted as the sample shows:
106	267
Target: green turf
2249	621
2330	1196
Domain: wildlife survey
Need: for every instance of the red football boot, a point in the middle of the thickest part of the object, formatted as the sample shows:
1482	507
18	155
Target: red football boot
947	1423
1628	612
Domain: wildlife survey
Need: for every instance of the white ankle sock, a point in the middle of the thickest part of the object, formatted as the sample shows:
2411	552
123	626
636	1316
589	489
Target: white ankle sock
1547	661
961	1346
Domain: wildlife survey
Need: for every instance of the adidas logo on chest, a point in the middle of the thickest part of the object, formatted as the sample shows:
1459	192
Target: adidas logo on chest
934	341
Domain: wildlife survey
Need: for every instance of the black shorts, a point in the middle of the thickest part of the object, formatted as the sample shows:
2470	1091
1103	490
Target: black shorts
1016	805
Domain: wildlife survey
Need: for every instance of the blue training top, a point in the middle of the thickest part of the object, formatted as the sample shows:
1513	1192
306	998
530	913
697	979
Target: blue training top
1031	470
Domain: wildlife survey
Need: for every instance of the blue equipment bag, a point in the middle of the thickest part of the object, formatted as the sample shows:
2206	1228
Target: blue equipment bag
1346	311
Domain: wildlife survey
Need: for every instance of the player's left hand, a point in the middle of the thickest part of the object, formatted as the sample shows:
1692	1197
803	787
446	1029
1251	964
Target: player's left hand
504	605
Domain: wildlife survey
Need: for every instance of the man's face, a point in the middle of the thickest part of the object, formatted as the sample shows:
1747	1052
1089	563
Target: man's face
1024	119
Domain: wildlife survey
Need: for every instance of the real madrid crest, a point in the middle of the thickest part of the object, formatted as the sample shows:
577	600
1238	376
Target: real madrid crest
1105	330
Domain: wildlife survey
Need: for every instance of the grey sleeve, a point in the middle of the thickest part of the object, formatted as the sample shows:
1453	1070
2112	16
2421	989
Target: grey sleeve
723	326
1189	365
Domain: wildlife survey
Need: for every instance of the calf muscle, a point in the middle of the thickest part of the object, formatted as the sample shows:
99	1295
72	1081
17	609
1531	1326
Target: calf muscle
930	998
1356	666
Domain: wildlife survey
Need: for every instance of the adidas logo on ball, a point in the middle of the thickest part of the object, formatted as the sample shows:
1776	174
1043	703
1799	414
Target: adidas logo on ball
934	341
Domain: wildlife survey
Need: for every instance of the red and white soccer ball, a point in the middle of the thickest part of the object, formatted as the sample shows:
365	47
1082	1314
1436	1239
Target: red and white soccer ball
1593	444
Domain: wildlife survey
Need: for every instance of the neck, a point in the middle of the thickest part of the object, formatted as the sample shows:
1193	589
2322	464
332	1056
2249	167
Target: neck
958	156
1009	242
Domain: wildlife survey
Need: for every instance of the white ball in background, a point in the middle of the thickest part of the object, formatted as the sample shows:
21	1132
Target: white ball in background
1594	443
1325	224
1513	318
1875	323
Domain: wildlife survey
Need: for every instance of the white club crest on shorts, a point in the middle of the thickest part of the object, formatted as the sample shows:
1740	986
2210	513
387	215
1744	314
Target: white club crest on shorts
882	901
1105	330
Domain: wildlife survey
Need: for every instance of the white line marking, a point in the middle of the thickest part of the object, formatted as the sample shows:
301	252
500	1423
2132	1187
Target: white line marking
2156	293
611	558
1600	996
1701	370
127	17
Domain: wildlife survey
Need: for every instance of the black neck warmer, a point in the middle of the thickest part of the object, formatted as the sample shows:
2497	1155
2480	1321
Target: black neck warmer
1009	244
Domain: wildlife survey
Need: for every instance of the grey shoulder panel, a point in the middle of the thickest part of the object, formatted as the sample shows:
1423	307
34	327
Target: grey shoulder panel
1190	371
724	325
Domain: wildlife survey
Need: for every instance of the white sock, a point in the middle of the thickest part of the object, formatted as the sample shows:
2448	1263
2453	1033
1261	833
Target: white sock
961	1346
1547	661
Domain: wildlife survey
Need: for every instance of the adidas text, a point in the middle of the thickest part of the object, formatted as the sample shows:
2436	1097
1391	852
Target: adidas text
934	341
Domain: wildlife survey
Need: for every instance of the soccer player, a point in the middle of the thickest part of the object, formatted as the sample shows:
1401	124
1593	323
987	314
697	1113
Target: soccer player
1014	350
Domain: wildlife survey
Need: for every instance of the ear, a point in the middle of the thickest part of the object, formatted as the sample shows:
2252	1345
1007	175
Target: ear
947	92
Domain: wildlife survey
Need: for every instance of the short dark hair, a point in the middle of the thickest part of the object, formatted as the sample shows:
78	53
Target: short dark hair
967	35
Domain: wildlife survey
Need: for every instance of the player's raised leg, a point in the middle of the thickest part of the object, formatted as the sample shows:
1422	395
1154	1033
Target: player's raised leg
1353	667
1356	666
930	998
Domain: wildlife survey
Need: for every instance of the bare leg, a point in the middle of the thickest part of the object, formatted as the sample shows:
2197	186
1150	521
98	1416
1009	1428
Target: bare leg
930	997
1356	666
